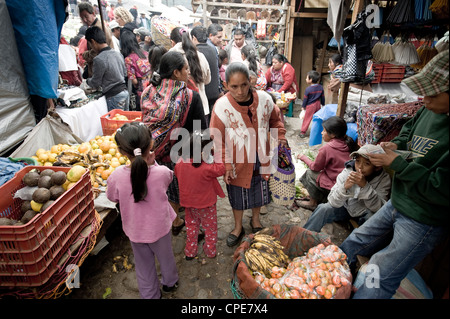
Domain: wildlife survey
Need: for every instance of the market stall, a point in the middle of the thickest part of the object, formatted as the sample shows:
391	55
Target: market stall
85	120
267	19
52	207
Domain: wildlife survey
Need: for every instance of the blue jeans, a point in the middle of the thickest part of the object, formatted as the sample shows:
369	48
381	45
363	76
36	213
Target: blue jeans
408	242
118	101
325	213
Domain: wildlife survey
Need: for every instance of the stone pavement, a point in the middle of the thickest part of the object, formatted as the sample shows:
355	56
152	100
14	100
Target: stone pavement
202	277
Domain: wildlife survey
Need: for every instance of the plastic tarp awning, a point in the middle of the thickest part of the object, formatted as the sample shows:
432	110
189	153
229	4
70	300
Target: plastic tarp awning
37	27
16	113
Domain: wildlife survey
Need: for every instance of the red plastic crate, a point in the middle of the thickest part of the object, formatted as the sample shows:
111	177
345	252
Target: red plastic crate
29	254
378	69
109	126
392	73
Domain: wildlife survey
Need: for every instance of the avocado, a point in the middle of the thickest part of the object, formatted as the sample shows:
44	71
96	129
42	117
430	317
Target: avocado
47	205
47	172
56	191
25	206
31	179
29	215
41	195
6	221
58	178
45	182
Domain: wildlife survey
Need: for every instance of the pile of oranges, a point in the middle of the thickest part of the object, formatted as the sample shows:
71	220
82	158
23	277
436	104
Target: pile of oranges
317	275
103	147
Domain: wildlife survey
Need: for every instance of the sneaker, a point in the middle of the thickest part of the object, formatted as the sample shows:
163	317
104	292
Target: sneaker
170	289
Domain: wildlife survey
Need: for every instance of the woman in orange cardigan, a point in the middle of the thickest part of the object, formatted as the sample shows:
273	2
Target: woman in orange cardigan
240	124
281	75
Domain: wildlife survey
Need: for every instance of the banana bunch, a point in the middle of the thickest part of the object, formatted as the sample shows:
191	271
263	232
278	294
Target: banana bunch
264	253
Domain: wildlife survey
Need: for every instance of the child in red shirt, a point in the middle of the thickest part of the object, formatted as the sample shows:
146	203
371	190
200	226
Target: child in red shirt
197	181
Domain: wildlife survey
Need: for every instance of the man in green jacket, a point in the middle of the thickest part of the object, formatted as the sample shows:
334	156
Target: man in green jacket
415	219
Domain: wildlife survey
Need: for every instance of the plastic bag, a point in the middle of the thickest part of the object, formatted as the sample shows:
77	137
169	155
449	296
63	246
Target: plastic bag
50	131
270	53
319	274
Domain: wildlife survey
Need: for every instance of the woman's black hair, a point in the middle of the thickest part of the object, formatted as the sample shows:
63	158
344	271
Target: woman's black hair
336	58
155	54
197	143
249	53
337	126
190	50
129	44
280	57
236	67
170	62
128	138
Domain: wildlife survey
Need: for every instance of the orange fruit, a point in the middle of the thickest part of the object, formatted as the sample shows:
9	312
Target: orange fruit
104	146
83	148
105	174
320	290
100	169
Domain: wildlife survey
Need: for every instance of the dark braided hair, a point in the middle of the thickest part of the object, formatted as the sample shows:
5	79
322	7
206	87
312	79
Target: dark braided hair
128	138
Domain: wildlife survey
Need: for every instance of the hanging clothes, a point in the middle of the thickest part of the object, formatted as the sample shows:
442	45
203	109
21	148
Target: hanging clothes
357	50
337	14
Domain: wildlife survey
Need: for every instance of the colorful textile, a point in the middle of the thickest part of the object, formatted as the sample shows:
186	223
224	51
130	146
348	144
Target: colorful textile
138	69
256	196
207	219
165	108
382	122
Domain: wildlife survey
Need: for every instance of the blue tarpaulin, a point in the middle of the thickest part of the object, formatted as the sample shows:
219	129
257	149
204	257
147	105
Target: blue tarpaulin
37	28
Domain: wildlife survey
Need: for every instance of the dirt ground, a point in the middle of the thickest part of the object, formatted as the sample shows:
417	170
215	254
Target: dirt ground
201	278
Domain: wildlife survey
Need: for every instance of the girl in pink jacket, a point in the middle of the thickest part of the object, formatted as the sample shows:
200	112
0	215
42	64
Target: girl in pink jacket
140	189
197	181
323	171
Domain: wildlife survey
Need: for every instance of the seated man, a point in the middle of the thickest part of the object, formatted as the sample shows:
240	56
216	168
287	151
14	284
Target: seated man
108	71
360	190
415	220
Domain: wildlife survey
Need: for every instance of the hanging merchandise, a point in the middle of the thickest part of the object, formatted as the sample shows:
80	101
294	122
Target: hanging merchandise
427	15
382	51
261	29
375	39
414	41
405	52
270	53
403	12
334	44
440	9
425	52
357	50
442	44
422	10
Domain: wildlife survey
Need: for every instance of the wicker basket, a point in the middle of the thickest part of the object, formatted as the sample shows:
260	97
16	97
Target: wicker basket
282	182
160	36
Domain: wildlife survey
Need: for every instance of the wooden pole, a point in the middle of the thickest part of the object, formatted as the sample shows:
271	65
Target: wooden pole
100	11
290	36
343	92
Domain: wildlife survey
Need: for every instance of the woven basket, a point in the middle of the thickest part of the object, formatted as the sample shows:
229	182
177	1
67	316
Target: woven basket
159	37
282	182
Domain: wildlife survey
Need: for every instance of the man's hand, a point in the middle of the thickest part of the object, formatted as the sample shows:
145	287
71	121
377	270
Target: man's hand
389	145
384	159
